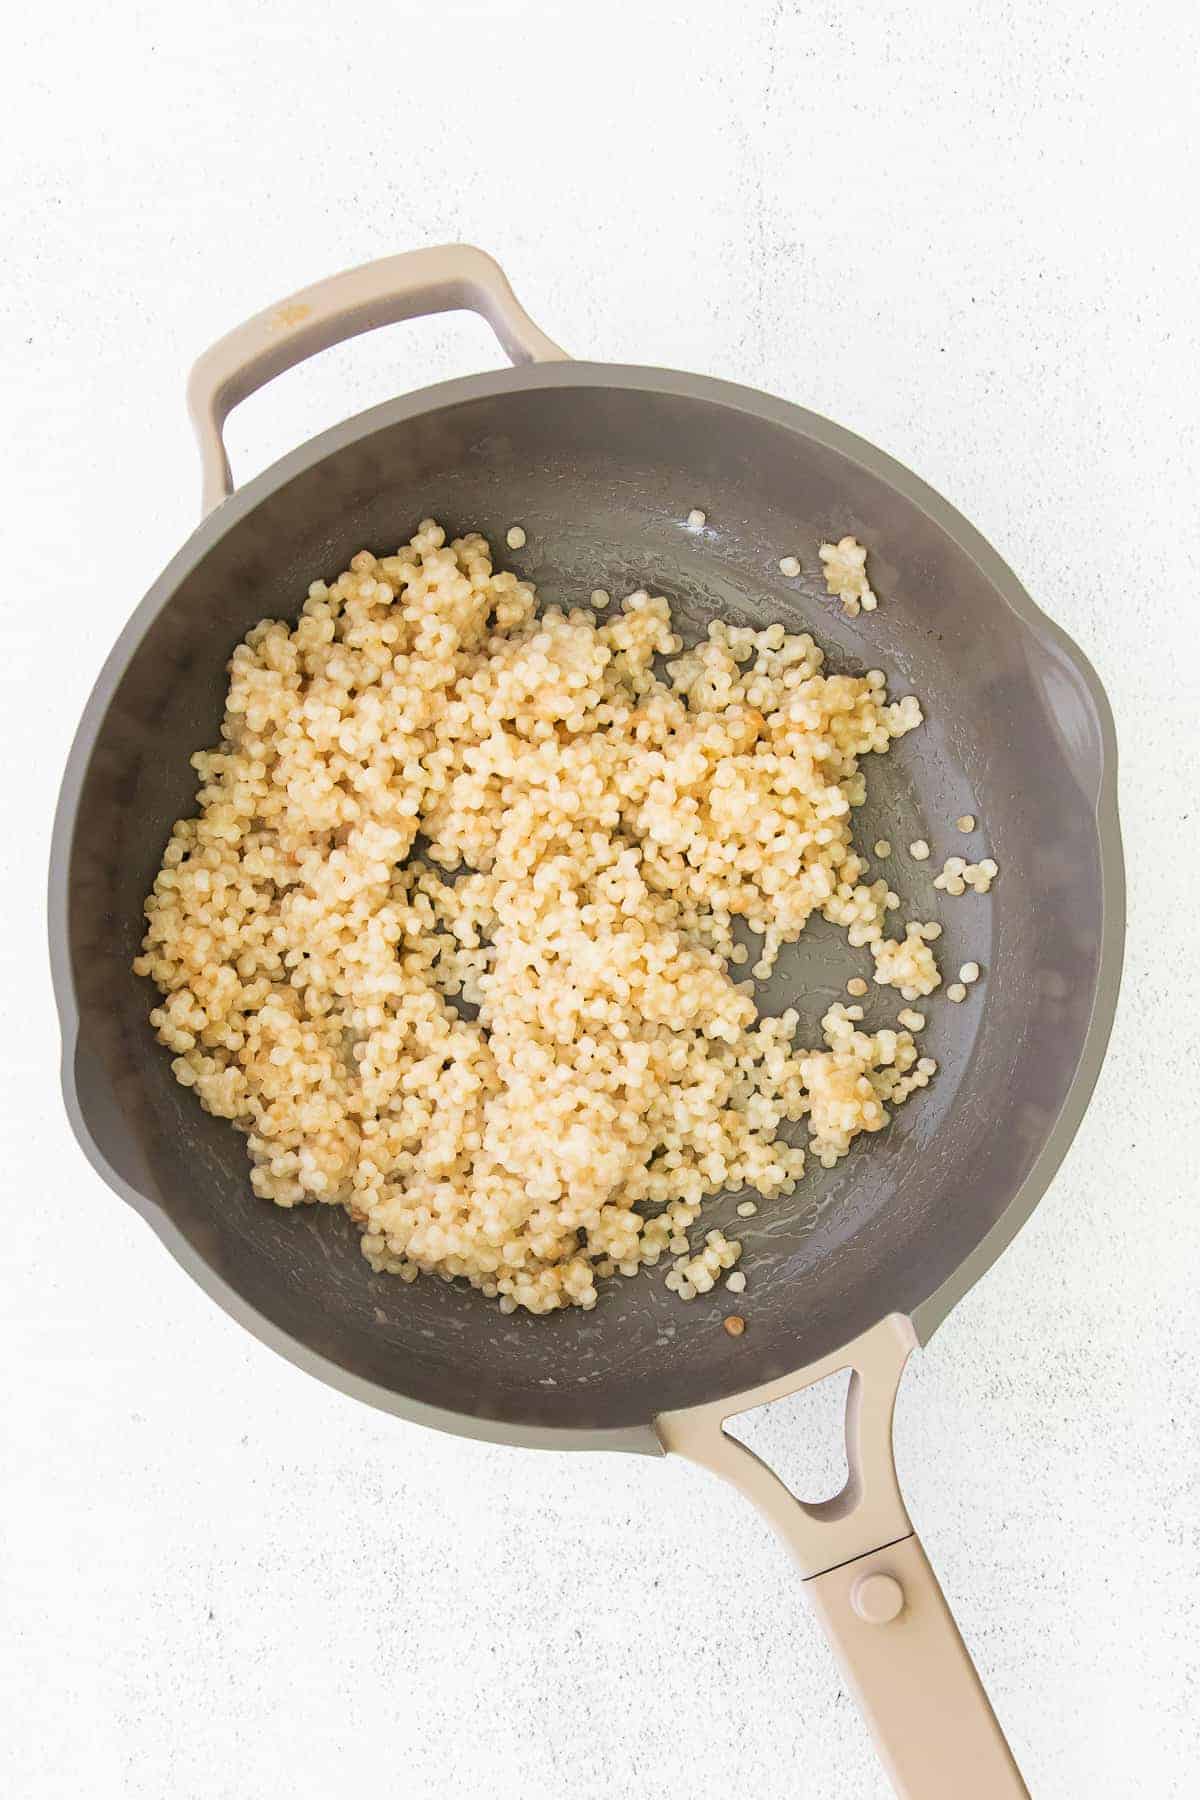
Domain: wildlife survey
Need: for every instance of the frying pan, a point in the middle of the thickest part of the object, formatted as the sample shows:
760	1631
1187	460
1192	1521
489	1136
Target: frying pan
602	465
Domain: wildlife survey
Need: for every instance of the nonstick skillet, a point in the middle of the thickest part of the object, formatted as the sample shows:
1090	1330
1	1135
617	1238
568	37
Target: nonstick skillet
602	465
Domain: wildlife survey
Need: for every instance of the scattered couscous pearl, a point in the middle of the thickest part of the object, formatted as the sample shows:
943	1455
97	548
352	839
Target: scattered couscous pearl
931	931
514	537
856	985
735	1324
966	823
912	1021
746	1209
789	566
736	1283
883	847
696	518
926	1066
600	598
958	875
918	850
956	991
969	972
845	568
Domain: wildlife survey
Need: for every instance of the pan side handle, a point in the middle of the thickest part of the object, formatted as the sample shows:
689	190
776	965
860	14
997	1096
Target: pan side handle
448	278
869	1581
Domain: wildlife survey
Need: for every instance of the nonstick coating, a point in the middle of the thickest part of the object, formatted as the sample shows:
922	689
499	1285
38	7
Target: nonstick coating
602	466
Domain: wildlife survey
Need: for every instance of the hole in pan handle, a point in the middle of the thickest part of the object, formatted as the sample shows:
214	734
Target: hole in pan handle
868	1578
447	278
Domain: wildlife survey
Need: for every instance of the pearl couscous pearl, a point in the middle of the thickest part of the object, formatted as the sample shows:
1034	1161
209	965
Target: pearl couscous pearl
958	875
845	567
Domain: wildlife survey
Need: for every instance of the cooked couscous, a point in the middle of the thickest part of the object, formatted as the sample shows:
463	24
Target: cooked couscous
845	567
450	937
958	875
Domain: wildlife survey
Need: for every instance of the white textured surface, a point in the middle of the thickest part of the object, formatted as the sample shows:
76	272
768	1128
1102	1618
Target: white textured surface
963	232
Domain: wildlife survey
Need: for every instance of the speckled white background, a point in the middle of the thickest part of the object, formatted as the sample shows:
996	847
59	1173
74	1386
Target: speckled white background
961	231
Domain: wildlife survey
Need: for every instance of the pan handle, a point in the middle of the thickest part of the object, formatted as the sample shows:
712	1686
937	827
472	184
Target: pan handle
447	278
869	1581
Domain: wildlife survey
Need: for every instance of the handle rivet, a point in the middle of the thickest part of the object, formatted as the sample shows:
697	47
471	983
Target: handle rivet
877	1598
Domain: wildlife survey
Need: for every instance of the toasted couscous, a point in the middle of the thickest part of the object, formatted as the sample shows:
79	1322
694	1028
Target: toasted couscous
450	936
845	568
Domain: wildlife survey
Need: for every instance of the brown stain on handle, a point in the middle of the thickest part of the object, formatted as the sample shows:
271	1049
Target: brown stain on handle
285	318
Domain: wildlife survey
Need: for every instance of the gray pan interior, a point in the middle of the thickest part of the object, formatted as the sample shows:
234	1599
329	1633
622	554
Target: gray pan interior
602	466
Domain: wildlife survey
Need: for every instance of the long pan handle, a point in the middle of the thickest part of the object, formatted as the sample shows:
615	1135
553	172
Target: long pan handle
448	278
900	1651
869	1581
